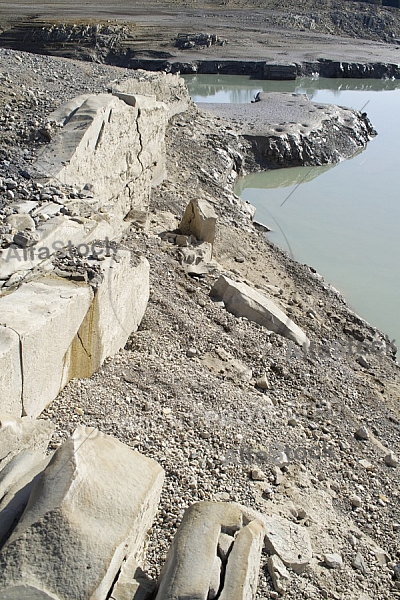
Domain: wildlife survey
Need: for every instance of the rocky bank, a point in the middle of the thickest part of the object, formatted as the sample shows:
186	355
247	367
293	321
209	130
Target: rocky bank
232	411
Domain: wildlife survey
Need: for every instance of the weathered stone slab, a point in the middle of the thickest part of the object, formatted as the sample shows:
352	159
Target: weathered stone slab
117	310
199	220
244	301
242	569
10	372
50	312
92	507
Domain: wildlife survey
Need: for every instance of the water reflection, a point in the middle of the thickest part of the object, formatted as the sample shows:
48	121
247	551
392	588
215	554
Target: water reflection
280	178
240	89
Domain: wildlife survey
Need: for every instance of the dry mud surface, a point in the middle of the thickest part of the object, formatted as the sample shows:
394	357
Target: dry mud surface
183	390
254	31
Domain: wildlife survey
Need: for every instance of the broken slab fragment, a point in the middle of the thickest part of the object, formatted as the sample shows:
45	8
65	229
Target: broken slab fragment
132	582
10	373
199	220
18	434
191	568
191	557
92	507
243	301
279	574
243	565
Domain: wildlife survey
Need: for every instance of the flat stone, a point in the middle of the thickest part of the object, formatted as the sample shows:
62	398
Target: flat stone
289	541
225	543
92	507
359	563
244	301
21	221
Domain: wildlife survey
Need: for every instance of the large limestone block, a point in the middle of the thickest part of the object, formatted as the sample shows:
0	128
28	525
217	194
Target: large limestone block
50	312
18	434
189	565
116	311
92	506
244	301
110	144
10	372
166	87
242	569
199	220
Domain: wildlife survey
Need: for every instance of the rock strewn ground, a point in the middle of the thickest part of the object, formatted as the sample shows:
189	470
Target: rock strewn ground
183	390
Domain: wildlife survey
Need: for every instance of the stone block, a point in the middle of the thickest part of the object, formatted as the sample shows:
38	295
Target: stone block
243	301
50	312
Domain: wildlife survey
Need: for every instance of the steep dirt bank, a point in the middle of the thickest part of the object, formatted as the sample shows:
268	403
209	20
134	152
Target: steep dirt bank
184	388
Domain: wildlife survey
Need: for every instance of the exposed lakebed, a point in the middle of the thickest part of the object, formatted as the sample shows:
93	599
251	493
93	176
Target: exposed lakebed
342	219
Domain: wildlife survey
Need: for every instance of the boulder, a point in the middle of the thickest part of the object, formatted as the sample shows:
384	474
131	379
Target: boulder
199	220
92	507
10	372
243	301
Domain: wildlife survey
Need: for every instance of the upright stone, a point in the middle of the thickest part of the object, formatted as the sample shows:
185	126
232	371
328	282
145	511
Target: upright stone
92	507
199	220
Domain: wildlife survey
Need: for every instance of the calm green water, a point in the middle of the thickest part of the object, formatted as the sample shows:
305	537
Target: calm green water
343	220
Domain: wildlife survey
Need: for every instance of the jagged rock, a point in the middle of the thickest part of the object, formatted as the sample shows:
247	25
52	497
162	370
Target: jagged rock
191	558
289	541
24	239
362	433
263	383
243	301
279	573
199	220
92	507
391	460
359	563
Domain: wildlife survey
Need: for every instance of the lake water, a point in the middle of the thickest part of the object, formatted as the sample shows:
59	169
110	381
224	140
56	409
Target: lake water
343	220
